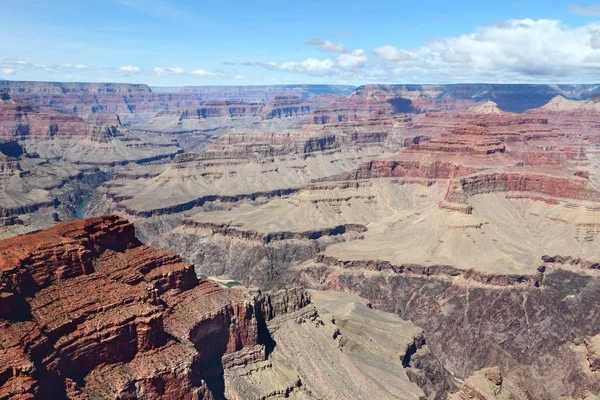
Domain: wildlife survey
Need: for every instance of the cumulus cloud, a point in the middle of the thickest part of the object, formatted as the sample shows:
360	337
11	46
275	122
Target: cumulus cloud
522	50
327	67
310	66
390	53
239	77
168	71
326	45
356	58
202	73
8	71
516	50
129	68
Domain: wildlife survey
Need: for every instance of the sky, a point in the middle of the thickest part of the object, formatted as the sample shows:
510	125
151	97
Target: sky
233	42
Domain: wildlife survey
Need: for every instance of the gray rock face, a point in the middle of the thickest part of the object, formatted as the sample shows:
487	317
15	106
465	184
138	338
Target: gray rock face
468	325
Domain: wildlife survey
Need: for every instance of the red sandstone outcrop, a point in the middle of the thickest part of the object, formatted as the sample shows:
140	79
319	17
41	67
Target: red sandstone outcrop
573	187
87	311
22	121
463	139
404	168
524	184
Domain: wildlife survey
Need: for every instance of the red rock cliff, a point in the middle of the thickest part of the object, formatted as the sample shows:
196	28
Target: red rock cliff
87	311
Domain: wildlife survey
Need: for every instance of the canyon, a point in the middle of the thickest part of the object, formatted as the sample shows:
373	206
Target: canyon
389	241
90	312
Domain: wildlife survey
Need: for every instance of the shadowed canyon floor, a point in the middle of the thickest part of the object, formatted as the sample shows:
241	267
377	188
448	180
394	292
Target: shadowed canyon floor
471	211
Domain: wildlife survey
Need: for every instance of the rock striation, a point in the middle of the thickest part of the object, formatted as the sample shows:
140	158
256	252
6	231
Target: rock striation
453	212
438	203
286	106
89	312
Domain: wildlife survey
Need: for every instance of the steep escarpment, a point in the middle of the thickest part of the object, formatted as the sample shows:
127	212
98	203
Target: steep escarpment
88	293
98	139
88	312
19	120
524	324
168	109
286	106
404	168
350	109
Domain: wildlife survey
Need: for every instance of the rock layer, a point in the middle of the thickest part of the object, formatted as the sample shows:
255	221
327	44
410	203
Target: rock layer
89	295
89	312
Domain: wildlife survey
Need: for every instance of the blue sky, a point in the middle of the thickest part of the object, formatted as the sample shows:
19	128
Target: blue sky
173	43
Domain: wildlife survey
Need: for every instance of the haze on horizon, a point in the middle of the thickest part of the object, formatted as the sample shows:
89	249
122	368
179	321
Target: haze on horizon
174	43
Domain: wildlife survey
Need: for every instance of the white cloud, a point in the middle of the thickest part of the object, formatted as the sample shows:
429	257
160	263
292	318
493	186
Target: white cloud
356	58
74	66
167	71
516	50
8	71
389	53
59	70
239	77
326	45
327	67
310	66
523	50
129	68
202	73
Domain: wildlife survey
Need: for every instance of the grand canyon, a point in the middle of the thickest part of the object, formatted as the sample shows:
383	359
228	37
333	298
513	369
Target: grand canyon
299	241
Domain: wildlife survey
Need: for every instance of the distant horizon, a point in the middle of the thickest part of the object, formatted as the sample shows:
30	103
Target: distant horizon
306	84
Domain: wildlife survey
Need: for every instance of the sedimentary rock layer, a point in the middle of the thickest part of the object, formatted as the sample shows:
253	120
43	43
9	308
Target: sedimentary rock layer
88	312
86	294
